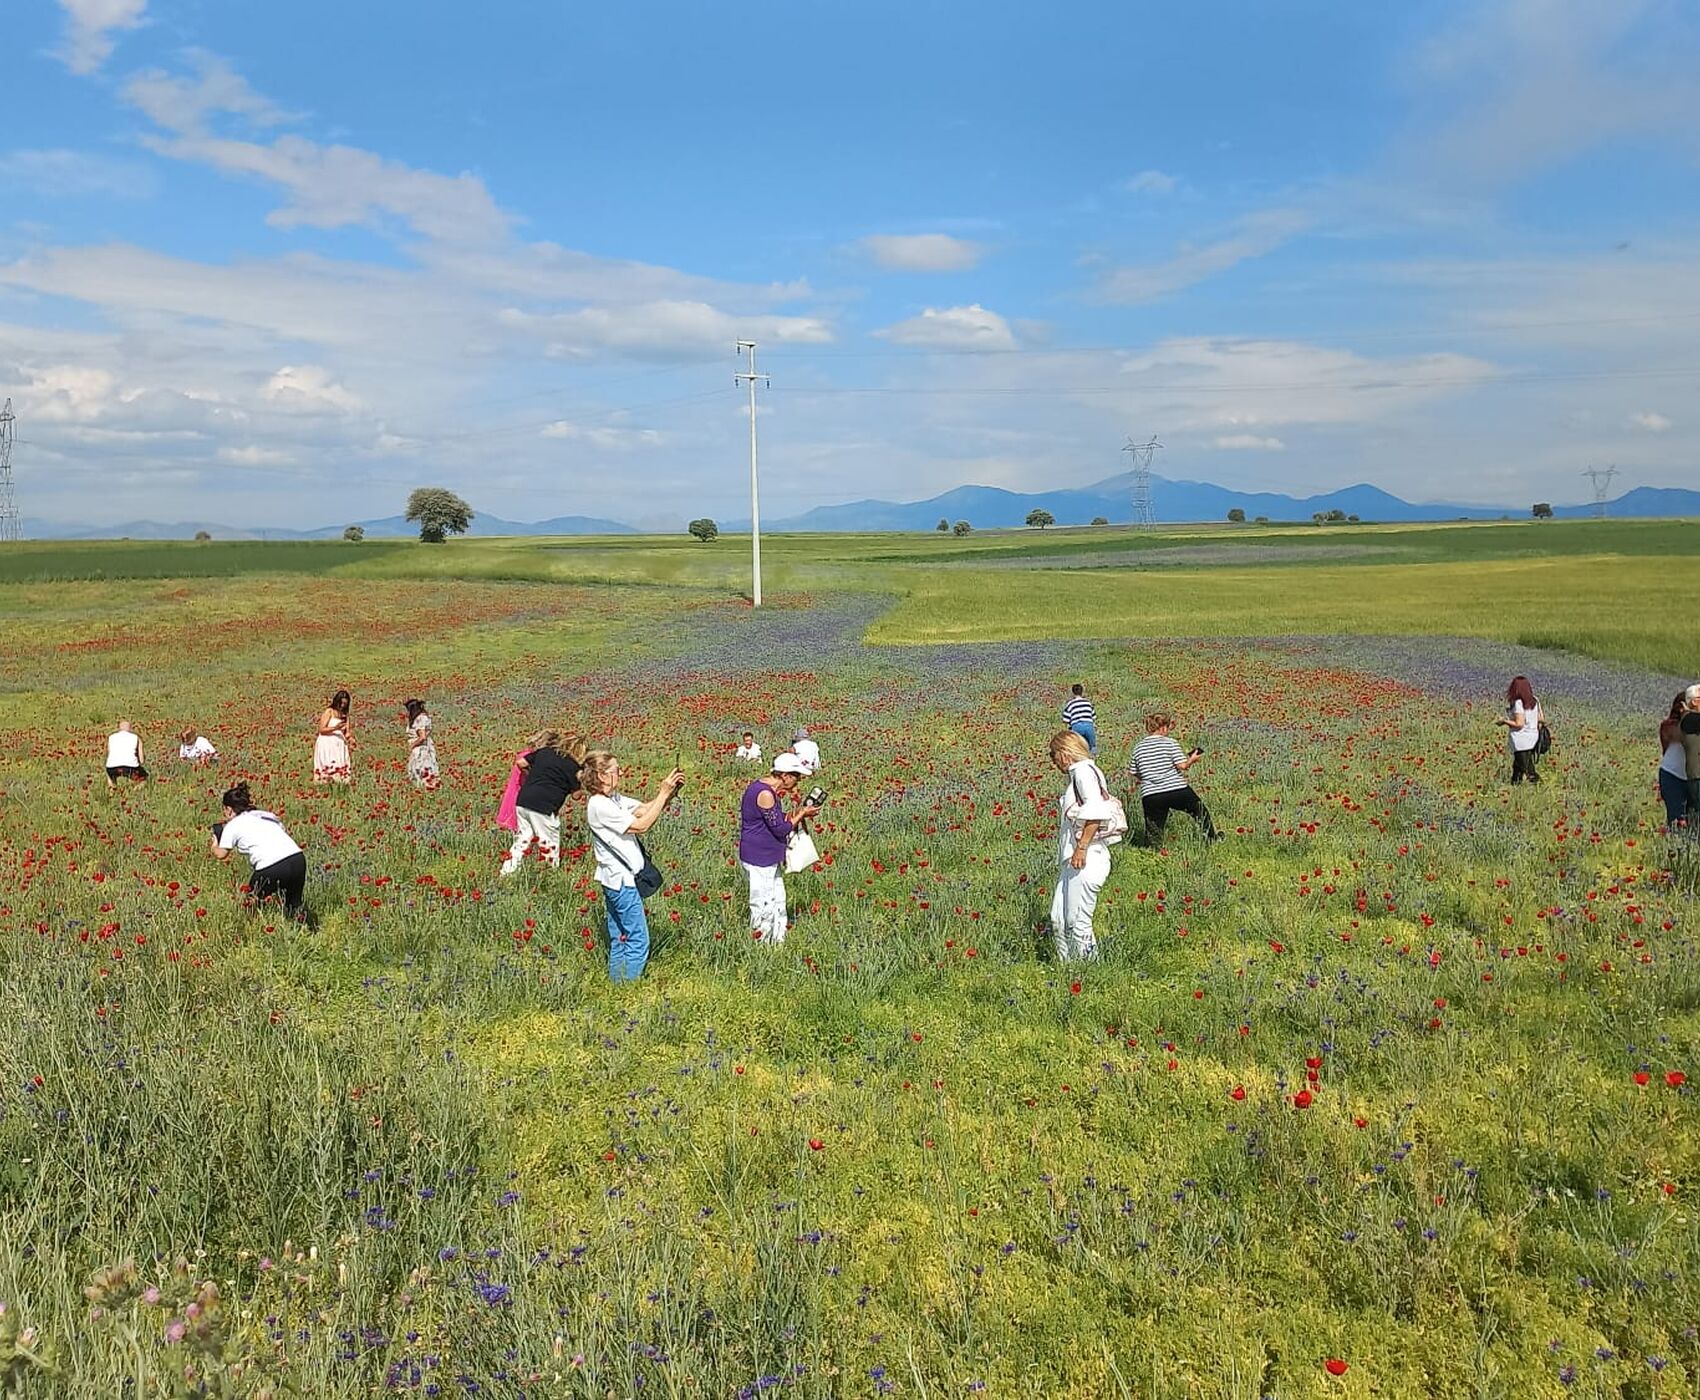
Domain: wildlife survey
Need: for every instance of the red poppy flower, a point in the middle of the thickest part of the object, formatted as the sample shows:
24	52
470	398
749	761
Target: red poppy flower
1074	989
1302	1099
815	1144
1237	1093
1675	1078
1641	1076
1334	1366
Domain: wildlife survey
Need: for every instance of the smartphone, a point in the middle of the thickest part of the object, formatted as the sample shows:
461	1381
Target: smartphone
217	830
1197	750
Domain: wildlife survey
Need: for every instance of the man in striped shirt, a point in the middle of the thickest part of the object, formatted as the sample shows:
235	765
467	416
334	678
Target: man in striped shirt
1159	772
1079	716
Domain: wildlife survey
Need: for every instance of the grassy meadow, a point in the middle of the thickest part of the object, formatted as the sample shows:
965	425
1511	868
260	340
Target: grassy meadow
1391	1092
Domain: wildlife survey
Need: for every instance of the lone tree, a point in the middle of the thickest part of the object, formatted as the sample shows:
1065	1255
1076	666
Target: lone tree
704	529
961	528
202	536
439	513
1541	510
1100	520
1236	516
354	534
1039	519
943	527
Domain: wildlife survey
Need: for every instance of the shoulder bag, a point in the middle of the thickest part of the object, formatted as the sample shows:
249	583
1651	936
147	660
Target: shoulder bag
647	877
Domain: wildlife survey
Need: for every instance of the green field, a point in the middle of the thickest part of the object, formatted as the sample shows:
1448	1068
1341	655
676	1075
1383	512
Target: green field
1401	1074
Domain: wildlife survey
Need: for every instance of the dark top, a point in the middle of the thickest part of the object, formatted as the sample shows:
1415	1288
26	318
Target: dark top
550	778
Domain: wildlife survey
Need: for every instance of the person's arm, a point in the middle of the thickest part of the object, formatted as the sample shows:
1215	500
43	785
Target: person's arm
646	814
221	851
1088	834
141	758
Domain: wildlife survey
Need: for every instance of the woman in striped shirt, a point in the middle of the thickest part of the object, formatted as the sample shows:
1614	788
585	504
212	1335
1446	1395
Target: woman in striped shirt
1079	716
1159	772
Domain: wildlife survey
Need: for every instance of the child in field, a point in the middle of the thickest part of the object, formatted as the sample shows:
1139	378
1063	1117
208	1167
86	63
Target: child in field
194	747
1080	716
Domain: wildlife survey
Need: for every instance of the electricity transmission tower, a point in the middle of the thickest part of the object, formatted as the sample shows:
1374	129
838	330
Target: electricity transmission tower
1601	478
1143	516
749	377
11	527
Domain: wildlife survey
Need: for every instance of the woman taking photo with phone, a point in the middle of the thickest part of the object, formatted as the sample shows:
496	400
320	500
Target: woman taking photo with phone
763	831
279	867
1159	772
615	823
331	762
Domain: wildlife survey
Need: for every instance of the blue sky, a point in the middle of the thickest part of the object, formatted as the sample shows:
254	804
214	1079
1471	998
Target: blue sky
283	263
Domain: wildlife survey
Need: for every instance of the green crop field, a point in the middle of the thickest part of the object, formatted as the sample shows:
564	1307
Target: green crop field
1390	1092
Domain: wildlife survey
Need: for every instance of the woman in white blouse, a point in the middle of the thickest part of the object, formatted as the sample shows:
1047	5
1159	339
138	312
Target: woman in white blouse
1087	827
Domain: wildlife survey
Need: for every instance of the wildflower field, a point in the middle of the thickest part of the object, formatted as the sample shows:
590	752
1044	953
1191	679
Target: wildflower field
1390	1092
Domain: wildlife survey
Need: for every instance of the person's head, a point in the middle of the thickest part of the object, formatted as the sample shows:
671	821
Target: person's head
340	703
800	734
1077	689
1067	749
1520	689
238	800
1692	696
574	746
188	736
787	772
124	727
414	709
1159	722
542	739
749	738
600	773
1678	706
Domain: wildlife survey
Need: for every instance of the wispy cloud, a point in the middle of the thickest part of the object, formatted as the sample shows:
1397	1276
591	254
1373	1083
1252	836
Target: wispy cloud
922	252
76	174
1150	182
89	27
1249	442
1650	422
952	328
1254	236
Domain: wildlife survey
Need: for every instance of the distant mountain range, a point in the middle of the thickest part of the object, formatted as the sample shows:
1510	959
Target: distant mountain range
390	527
984	507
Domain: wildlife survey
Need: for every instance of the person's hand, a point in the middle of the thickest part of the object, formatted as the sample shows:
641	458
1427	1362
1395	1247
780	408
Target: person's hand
674	780
804	813
1078	859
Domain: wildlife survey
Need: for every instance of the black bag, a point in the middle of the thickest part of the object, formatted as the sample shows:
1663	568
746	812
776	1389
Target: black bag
1543	739
647	877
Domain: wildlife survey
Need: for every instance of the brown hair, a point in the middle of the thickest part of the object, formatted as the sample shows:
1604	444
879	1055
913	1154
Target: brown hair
573	746
188	736
1070	743
1520	689
542	739
1158	719
593	774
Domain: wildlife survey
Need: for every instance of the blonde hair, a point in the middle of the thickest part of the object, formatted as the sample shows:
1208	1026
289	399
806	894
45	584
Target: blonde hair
593	773
1158	719
573	746
1069	743
542	739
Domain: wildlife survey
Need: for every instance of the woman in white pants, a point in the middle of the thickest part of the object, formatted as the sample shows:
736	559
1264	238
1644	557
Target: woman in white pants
763	830
1086	828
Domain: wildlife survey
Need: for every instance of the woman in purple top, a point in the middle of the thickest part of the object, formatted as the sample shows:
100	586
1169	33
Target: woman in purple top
764	830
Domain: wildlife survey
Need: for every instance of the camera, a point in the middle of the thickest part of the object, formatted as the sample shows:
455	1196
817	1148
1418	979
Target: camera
217	830
816	797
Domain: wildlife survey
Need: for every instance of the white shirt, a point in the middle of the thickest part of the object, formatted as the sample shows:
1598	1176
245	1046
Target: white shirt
1675	760
610	821
809	752
1085	799
259	836
750	752
123	750
201	748
1524	739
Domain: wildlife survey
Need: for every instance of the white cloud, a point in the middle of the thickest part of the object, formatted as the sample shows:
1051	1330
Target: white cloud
1250	442
922	252
1650	422
182	103
252	456
608	439
1150	182
952	328
61	173
667	328
89	26
310	389
1256	235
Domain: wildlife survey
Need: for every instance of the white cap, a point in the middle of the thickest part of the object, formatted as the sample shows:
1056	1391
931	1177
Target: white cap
789	763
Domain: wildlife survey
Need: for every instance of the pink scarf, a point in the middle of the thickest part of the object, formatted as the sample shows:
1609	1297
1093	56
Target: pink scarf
507	815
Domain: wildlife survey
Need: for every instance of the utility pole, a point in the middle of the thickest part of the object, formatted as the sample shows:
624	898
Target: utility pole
11	527
1601	477
749	377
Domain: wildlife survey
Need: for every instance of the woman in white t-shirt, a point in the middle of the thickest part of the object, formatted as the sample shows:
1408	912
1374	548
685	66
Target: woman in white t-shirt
194	747
1085	830
124	755
1523	719
615	822
279	867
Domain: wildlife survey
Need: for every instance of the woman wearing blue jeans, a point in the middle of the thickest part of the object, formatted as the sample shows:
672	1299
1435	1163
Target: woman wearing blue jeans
615	823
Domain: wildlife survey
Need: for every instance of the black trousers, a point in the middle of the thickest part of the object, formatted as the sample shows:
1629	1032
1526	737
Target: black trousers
1523	766
287	878
1159	805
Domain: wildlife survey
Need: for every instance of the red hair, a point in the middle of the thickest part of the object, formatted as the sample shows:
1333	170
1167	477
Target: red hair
1520	689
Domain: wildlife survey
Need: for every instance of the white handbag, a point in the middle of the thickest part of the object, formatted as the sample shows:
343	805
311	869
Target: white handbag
800	852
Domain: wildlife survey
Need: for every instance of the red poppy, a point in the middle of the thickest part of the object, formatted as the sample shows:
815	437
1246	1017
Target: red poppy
1675	1078
1074	989
815	1144
1334	1366
1641	1076
1302	1099
1237	1093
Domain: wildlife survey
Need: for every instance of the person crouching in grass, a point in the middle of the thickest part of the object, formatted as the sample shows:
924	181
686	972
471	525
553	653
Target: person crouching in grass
615	822
1159	772
279	867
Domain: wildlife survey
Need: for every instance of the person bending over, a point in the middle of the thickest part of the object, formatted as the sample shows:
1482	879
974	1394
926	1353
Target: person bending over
1159	772
279	867
550	776
763	832
124	755
808	750
194	747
